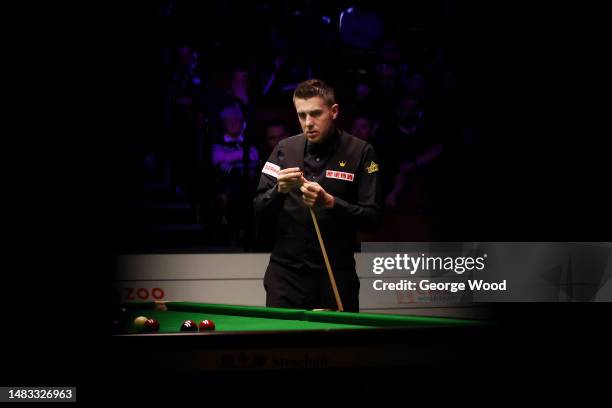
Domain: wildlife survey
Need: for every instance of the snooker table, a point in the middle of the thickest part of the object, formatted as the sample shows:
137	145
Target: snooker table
259	338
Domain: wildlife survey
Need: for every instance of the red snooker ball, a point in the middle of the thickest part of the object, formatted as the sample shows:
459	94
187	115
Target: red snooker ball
189	325
151	325
207	325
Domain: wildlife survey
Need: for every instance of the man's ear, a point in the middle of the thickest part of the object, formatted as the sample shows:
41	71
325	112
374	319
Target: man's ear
335	109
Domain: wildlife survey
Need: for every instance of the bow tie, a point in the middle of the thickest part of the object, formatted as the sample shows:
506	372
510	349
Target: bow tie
229	139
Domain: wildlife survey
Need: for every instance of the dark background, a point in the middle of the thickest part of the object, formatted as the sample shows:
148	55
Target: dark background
532	79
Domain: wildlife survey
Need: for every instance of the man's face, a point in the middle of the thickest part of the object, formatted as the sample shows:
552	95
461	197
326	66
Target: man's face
408	111
240	79
362	128
275	134
233	125
316	118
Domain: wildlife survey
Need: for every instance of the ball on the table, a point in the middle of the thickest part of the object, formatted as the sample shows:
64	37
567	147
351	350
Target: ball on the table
189	325
151	325
207	325
139	322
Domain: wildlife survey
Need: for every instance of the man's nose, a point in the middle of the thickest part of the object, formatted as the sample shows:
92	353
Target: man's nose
309	121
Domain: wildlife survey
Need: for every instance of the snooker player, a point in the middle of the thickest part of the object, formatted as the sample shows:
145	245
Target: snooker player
337	176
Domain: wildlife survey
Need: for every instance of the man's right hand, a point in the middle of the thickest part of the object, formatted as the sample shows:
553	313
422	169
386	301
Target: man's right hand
288	179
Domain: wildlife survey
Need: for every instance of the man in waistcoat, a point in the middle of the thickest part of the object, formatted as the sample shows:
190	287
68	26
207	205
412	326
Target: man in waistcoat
335	174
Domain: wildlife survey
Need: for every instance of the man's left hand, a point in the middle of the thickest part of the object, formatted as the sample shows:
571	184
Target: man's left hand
315	196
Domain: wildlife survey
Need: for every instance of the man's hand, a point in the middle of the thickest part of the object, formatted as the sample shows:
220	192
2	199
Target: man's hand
314	195
288	179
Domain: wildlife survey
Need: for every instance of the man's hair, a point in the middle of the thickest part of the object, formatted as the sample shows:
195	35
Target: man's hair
315	87
231	112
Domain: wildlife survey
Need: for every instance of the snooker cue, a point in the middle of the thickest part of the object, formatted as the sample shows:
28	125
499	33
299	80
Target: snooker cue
329	270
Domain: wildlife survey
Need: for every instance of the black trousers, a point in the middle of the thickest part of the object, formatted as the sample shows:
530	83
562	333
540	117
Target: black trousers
308	288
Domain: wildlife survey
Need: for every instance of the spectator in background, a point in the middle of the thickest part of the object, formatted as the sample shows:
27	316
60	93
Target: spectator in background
362	99
363	128
274	131
236	93
229	163
396	76
239	88
388	88
413	150
409	153
185	113
227	155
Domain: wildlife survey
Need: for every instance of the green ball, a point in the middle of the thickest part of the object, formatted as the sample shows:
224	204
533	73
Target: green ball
139	323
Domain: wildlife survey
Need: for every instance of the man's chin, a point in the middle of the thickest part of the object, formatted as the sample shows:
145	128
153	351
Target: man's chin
314	137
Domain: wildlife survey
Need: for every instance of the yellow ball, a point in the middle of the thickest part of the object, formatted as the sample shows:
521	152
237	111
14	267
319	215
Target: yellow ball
139	323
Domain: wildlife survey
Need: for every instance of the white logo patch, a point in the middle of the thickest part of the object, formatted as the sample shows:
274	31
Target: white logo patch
271	169
340	175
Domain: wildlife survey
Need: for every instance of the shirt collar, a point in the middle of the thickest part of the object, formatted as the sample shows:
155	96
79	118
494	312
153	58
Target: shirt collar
328	145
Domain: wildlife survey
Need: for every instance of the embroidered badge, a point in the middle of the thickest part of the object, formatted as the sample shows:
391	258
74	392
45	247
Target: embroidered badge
340	175
372	167
342	163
